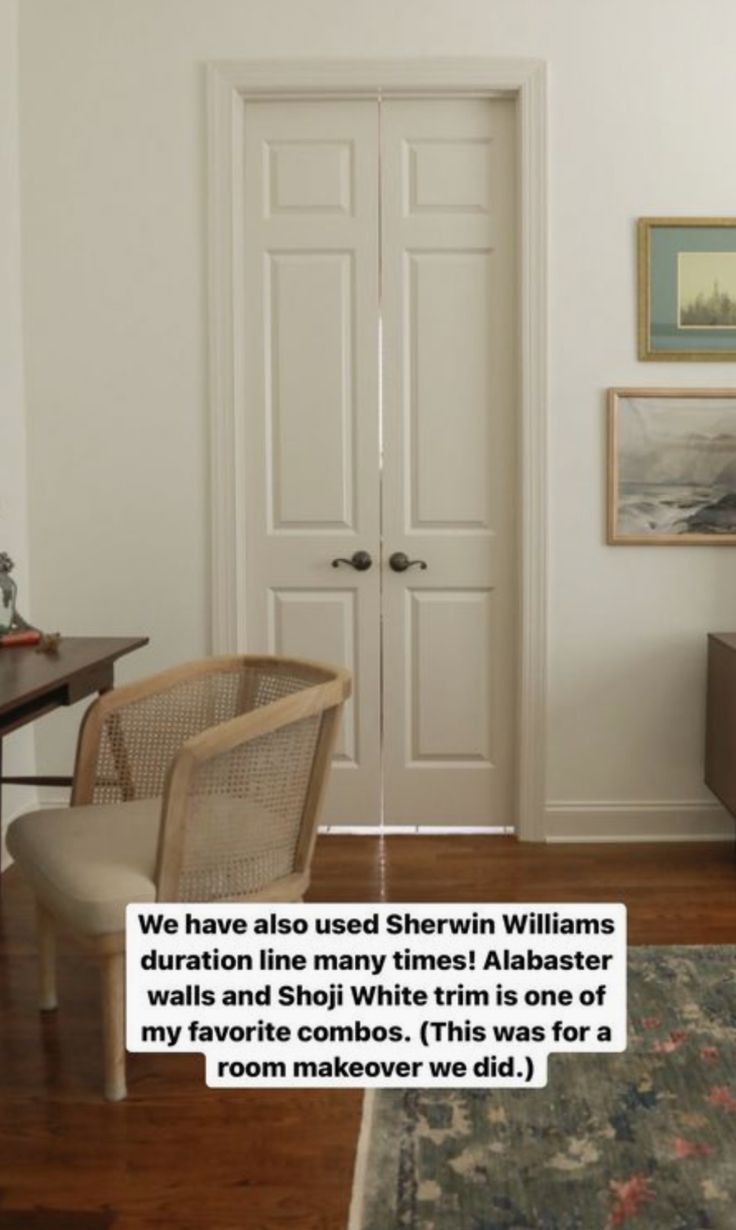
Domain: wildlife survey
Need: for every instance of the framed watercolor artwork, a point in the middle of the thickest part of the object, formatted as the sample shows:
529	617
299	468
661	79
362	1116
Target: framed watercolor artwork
687	288
672	466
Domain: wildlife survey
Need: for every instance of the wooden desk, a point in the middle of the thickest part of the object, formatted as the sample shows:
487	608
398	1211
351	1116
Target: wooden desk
720	725
32	684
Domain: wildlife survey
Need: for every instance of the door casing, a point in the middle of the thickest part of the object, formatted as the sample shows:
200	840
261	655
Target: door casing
230	86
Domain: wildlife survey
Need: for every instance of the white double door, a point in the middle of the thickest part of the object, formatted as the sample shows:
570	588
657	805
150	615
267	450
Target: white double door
377	370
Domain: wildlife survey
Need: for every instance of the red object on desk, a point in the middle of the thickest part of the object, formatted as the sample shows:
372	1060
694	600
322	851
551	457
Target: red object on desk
20	638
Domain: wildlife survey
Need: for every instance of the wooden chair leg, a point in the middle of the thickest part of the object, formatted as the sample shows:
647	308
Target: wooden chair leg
46	938
113	1025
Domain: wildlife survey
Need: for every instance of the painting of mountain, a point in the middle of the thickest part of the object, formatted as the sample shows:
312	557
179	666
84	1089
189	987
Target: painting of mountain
672	467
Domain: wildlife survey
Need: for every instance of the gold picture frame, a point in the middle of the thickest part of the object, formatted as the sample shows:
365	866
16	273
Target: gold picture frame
671	467
687	256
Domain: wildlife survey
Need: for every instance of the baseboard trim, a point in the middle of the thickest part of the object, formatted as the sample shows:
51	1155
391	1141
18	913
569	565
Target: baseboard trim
412	830
582	822
637	821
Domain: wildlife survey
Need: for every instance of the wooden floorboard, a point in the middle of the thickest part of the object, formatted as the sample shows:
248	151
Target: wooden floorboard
177	1156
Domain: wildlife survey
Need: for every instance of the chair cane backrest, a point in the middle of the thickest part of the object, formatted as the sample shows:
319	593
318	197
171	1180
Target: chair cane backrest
139	740
243	814
238	750
243	798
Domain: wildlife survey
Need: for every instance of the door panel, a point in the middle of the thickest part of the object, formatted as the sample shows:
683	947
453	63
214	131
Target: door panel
309	175
448	653
448	288
310	437
448	312
309	405
322	626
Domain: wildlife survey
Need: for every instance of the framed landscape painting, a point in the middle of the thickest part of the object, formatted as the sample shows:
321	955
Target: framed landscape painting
687	288
672	466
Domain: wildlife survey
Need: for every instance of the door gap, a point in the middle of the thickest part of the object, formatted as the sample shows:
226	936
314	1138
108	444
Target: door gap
380	467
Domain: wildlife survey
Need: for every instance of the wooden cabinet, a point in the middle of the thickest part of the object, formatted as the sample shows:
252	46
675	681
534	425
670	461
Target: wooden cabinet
720	737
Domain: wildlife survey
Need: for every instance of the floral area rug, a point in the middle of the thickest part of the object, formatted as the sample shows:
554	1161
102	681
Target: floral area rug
644	1140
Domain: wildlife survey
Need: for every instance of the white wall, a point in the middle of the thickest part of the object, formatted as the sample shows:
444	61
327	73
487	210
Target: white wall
17	748
113	139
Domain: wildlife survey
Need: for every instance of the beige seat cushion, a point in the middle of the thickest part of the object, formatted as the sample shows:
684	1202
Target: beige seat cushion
87	863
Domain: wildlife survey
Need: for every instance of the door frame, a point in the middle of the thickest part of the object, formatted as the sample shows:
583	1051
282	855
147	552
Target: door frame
229	85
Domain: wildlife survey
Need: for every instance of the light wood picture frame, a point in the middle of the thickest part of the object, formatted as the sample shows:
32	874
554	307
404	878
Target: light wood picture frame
687	289
672	467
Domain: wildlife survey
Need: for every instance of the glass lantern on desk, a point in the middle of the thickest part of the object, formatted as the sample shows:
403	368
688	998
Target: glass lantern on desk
8	591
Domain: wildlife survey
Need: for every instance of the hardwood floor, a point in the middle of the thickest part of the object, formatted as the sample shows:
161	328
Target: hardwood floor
176	1156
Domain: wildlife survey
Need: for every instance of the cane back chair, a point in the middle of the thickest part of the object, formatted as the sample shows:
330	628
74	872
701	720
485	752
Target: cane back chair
202	783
